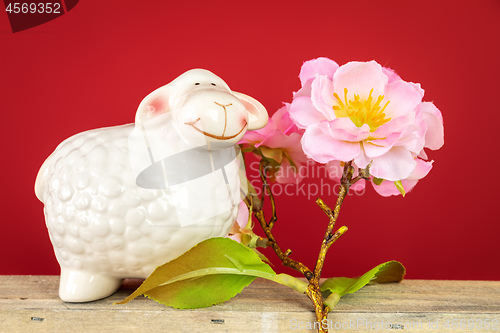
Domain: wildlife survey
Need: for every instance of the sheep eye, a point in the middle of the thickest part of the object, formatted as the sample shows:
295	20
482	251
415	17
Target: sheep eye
197	84
213	84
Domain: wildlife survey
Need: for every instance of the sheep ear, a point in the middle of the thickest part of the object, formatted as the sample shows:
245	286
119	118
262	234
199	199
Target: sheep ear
154	104
257	113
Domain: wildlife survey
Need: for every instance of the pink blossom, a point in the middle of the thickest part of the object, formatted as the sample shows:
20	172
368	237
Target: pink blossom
279	141
239	226
365	113
242	231
388	188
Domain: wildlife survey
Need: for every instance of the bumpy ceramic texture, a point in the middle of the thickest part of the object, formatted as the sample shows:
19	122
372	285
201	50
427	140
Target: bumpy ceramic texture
102	225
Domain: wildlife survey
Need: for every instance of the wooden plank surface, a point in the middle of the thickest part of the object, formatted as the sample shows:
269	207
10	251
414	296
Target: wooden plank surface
31	304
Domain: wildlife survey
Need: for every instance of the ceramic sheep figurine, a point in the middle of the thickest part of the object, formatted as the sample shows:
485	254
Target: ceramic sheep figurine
122	200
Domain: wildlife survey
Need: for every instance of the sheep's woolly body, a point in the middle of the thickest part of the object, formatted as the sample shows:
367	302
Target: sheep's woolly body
122	200
99	220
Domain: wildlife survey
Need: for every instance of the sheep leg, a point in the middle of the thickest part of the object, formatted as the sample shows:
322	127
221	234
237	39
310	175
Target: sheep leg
81	286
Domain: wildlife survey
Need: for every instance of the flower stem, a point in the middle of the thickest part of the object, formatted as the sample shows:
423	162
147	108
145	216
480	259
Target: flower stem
285	259
267	226
313	288
330	237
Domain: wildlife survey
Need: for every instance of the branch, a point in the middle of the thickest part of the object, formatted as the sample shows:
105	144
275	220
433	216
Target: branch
313	289
267	227
363	174
331	237
265	187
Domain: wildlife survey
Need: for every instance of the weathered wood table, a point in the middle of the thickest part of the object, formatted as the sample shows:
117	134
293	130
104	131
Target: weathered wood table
31	304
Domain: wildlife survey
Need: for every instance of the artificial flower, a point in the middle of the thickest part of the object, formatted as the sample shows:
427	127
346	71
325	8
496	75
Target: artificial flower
365	113
279	142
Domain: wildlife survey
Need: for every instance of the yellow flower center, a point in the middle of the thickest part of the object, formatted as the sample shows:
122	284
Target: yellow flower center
362	112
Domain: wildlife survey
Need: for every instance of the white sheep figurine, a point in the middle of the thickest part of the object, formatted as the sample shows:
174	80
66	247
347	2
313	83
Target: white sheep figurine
120	201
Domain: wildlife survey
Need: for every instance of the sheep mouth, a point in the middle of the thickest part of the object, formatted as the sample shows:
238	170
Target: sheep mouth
213	136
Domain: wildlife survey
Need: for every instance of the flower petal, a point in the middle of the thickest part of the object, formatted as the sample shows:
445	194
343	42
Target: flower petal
408	185
294	151
288	173
394	125
283	122
388	188
304	91
279	140
334	170
242	218
410	138
251	137
318	66
391	74
422	155
303	113
360	78
362	160
322	148
421	170
434	136
281	118
344	129
402	97
344	150
418	88
322	96
314	141
398	163
235	237
260	134
375	148
420	131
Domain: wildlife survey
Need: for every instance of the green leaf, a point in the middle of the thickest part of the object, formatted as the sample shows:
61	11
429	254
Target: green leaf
399	186
212	272
377	181
391	271
332	300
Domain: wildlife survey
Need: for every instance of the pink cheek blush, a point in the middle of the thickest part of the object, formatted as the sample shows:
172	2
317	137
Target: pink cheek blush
243	122
156	106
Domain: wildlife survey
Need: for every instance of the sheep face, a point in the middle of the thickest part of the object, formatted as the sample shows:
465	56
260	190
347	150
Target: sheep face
213	116
205	111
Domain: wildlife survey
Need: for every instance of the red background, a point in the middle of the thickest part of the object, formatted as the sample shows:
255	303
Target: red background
92	66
